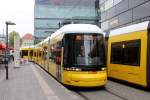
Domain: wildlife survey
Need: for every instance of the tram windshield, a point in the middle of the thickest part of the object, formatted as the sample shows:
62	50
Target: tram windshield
82	50
24	53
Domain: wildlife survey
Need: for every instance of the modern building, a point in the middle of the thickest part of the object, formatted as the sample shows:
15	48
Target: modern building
49	15
27	40
119	13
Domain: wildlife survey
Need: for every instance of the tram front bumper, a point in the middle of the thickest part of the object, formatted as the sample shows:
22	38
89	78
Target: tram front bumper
84	79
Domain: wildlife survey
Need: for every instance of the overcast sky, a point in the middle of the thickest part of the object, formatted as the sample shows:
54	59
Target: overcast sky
19	11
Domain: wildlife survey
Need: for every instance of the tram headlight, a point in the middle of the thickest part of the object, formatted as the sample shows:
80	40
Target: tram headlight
72	69
77	69
103	68
67	69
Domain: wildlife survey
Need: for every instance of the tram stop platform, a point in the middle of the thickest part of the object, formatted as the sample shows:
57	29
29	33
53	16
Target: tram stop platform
30	82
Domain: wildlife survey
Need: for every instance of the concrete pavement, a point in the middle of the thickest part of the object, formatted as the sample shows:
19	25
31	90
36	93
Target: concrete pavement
29	82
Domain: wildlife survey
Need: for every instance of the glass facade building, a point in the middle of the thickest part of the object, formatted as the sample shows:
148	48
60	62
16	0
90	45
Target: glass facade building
119	13
49	15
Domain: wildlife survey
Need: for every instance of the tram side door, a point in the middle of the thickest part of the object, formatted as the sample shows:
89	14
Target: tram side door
58	56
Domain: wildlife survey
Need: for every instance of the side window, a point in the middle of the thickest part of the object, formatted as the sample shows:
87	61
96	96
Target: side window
116	53
126	52
40	54
55	54
52	52
58	53
31	53
43	55
35	54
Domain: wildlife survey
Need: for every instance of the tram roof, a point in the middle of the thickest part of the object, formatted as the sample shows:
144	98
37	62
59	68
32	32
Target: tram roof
46	40
77	28
39	43
130	28
32	46
27	47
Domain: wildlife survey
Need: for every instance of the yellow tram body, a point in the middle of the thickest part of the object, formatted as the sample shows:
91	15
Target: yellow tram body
45	58
24	53
71	75
30	50
39	61
84	79
82	65
35	54
128	54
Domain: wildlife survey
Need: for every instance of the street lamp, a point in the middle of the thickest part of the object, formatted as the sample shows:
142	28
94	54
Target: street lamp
6	51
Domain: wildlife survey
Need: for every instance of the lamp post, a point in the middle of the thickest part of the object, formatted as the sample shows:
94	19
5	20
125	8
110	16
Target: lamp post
6	51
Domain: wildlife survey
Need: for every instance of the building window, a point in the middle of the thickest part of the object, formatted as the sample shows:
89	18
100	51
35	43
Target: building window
102	8
108	4
104	25
114	22
117	1
126	52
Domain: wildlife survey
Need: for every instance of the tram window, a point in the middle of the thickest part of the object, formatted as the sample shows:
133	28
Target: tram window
55	54
51	52
84	50
35	54
126	52
24	53
116	53
45	55
31	53
52	56
57	50
132	53
40	54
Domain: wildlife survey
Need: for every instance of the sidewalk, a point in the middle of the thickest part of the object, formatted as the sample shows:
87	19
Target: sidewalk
2	72
29	82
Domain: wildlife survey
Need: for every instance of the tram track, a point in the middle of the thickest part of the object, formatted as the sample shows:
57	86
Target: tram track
123	98
88	95
79	93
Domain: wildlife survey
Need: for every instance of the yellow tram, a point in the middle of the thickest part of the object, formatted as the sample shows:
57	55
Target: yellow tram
26	53
75	55
129	54
45	59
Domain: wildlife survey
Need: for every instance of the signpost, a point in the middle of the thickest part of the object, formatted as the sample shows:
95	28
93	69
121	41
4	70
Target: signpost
6	51
16	51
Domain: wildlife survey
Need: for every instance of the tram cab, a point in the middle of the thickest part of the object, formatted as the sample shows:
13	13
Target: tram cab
77	55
